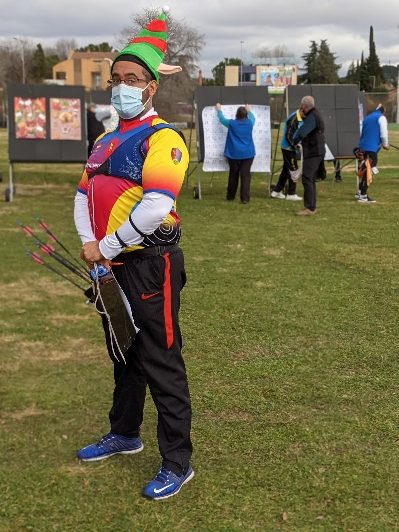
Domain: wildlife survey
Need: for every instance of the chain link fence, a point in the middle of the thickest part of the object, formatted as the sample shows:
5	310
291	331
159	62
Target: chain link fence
388	99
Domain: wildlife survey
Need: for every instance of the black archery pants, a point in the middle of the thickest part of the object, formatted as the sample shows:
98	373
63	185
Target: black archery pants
152	280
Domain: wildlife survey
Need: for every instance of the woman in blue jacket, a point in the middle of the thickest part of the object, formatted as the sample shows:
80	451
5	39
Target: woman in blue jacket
239	150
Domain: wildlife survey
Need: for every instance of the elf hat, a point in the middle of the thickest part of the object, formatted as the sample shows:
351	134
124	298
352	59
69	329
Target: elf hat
149	45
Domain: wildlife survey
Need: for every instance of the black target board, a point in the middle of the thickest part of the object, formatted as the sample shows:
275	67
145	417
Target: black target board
46	123
339	107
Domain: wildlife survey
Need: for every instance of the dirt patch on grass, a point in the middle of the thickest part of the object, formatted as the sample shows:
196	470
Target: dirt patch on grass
73	349
262	284
59	319
9	338
18	293
75	469
35	190
20	415
35	289
229	416
273	252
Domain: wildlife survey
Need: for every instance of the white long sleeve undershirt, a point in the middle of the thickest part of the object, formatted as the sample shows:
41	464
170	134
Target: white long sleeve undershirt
82	218
147	217
383	123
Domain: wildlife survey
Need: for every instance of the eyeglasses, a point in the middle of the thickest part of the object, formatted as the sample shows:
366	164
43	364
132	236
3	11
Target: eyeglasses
131	81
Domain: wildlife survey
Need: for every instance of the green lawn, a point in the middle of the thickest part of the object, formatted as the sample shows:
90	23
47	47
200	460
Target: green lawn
291	330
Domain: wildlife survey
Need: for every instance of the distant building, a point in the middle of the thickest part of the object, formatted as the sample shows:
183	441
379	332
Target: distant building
90	69
276	77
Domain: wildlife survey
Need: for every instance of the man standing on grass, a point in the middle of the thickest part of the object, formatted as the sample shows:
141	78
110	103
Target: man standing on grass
374	135
125	209
311	136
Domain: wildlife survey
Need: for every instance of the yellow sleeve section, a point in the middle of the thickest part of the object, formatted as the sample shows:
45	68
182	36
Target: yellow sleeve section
166	162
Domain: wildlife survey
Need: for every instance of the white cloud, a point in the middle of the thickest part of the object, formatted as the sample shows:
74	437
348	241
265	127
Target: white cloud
224	23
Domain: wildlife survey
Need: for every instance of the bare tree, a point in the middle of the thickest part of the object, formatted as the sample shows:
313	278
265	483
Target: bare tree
15	55
280	50
62	47
184	47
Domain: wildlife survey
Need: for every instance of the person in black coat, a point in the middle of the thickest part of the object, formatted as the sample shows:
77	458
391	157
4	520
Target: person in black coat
311	136
95	127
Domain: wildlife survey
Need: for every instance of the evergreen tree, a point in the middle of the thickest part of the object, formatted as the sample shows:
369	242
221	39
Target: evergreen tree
320	64
373	66
363	75
357	71
310	62
326	70
102	47
369	73
351	76
218	71
39	67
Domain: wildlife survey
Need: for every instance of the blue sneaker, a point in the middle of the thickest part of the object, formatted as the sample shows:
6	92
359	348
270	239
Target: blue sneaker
166	484
109	445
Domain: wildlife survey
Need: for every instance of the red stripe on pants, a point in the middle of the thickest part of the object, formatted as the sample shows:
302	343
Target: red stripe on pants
167	303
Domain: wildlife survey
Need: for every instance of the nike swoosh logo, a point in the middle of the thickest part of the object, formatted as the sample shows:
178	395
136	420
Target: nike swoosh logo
162	489
144	297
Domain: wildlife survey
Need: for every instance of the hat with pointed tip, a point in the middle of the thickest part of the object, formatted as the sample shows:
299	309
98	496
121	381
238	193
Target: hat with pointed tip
149	45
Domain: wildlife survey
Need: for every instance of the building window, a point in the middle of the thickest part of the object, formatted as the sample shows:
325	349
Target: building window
60	75
95	80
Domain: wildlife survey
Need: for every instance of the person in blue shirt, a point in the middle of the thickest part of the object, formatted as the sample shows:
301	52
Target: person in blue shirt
374	135
290	171
239	150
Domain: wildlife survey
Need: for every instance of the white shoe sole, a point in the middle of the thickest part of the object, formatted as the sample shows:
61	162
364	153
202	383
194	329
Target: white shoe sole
177	491
98	458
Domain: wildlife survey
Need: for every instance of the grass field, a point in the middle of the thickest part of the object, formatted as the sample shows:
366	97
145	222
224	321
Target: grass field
291	330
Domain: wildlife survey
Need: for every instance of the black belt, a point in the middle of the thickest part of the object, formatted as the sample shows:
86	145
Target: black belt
147	252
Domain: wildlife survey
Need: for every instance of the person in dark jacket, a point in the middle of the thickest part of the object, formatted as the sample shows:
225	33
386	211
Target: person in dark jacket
311	136
95	127
239	150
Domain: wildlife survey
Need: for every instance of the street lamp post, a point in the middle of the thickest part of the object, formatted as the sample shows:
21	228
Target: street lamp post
21	43
241	42
397	99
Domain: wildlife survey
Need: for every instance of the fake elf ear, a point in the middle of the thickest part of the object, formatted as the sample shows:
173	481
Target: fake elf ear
169	69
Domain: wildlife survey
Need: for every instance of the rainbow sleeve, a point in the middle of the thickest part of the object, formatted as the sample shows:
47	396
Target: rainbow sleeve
83	183
166	163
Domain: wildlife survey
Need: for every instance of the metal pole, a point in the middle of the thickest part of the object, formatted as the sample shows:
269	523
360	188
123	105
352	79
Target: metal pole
241	42
397	99
10	181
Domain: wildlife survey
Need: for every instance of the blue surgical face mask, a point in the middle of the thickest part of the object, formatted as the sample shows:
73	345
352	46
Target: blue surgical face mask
127	100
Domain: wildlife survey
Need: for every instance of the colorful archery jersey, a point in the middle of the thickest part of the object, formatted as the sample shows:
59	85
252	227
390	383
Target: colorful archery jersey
141	165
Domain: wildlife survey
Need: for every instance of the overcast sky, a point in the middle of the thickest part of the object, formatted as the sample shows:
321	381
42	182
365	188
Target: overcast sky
224	24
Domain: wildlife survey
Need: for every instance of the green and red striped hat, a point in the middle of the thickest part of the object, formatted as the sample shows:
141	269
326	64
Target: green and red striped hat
149	45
